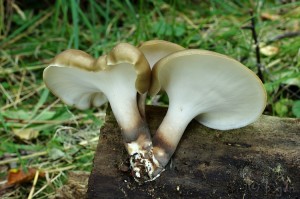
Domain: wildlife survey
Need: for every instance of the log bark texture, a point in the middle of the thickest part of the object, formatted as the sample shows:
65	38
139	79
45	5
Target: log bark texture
261	160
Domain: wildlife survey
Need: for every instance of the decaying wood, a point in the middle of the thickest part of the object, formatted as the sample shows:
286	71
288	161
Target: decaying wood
261	160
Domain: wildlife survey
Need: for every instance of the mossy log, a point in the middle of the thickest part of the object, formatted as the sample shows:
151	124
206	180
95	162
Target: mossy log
261	160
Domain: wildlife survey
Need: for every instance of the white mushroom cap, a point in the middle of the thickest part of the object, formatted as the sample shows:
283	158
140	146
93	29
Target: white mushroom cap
82	81
154	50
218	91
64	72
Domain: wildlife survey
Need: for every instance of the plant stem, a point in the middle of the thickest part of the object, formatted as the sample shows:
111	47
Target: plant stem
257	49
24	157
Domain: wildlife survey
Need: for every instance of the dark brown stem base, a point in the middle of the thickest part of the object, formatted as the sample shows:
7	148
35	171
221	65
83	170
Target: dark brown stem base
261	160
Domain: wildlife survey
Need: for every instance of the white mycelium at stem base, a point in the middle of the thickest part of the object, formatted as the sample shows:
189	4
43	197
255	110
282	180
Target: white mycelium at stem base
216	90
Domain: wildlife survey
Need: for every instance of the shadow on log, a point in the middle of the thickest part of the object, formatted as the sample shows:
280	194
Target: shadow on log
261	160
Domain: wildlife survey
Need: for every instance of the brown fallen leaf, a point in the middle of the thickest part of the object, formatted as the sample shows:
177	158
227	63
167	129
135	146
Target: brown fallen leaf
268	16
19	176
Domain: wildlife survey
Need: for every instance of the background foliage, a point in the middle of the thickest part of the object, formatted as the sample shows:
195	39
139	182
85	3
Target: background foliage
38	131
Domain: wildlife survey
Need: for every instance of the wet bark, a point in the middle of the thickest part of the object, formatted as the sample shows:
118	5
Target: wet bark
261	160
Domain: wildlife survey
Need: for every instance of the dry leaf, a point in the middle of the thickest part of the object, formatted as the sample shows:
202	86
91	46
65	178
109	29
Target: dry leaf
18	176
26	134
268	16
269	50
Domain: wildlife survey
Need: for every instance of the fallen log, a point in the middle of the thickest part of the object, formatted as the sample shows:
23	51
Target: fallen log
261	160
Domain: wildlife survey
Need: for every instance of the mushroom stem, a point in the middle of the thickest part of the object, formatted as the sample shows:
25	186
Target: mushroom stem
164	143
218	91
134	130
141	100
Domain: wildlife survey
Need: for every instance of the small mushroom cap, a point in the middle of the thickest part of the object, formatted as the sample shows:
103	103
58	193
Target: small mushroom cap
126	53
80	80
216	90
154	50
63	78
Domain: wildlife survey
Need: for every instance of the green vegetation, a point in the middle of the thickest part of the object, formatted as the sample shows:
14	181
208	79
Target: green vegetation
59	138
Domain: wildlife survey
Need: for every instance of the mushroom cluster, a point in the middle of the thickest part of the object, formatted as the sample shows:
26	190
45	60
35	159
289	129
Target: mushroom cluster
217	91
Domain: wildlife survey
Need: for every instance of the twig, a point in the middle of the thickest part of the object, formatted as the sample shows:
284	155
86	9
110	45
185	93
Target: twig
23	157
189	21
283	36
17	100
33	184
48	183
23	98
257	49
295	94
7	71
61	169
22	122
6	94
40	114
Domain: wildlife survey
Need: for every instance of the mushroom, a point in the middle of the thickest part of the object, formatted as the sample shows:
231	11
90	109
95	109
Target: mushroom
218	91
154	50
80	80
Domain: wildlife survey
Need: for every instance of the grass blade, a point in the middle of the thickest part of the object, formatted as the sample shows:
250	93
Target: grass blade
75	18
